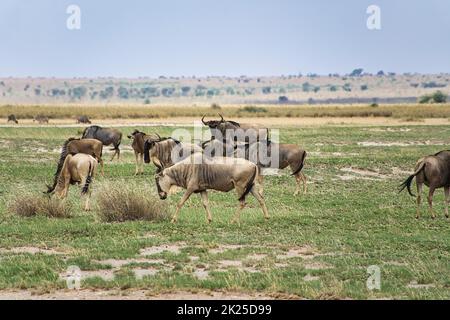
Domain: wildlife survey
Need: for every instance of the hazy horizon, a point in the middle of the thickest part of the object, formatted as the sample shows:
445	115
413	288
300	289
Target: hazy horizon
133	39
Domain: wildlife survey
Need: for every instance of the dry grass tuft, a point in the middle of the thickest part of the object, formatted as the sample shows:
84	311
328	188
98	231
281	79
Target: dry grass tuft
29	205
120	201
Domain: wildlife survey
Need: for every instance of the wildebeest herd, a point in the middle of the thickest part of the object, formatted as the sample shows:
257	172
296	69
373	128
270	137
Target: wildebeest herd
225	162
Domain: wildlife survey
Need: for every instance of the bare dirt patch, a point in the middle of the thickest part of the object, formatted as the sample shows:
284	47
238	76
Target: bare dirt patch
309	277
173	248
400	144
306	252
118	263
366	173
225	247
133	295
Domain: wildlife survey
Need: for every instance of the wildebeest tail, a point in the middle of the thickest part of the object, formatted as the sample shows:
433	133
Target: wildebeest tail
407	183
300	166
88	180
146	151
249	185
62	157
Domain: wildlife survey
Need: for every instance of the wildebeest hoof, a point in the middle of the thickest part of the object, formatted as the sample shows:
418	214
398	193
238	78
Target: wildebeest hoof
173	221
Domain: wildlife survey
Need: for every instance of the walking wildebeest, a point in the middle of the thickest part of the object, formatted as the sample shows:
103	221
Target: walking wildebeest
240	132
12	117
167	151
434	172
77	169
41	119
139	139
74	146
83	119
261	154
197	174
107	136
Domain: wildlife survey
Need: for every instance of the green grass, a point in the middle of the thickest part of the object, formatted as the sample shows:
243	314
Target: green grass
349	224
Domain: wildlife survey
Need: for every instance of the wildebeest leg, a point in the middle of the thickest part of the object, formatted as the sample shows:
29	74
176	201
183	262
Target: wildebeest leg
136	155
260	181
237	215
102	165
141	157
204	196
430	201
447	198
302	175
419	198
87	206
261	201
180	204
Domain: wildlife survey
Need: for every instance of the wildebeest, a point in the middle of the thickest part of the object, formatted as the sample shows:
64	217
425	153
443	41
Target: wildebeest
12	117
434	172
77	169
239	131
40	119
264	154
74	146
197	174
83	119
164	152
139	139
107	136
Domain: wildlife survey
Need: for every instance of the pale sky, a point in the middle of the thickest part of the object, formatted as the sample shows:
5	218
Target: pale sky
221	37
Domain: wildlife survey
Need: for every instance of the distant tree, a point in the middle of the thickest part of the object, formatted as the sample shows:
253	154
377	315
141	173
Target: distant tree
439	97
414	85
333	88
380	73
283	99
185	90
266	90
123	93
347	87
425	99
364	87
316	89
37	91
27	86
433	84
79	92
230	91
147	101
306	87
356	72
215	106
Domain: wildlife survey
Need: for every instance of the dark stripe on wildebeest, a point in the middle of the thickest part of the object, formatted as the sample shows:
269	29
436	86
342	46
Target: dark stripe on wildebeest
250	185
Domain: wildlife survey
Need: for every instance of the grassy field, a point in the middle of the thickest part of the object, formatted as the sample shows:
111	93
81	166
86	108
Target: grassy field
65	111
317	245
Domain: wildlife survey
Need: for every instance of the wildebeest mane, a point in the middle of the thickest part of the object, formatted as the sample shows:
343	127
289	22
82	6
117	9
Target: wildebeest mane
62	158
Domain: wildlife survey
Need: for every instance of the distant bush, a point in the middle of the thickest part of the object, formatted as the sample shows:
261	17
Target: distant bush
117	203
356	72
215	106
374	104
433	84
333	88
253	109
266	90
283	99
364	87
436	97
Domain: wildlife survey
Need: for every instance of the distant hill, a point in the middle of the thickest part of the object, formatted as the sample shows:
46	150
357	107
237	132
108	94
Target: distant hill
310	89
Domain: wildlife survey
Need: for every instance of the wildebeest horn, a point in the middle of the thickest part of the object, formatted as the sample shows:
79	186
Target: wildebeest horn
159	137
203	120
221	118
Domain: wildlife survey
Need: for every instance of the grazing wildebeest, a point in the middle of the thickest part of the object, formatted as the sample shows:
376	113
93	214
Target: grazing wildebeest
74	146
434	172
164	152
107	136
139	139
83	119
12	117
263	155
240	132
41	119
77	169
197	174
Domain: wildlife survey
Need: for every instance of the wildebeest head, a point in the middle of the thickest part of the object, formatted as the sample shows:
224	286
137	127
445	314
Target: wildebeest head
134	133
213	124
148	144
163	185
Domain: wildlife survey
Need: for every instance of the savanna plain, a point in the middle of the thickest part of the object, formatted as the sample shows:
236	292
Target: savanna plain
317	245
